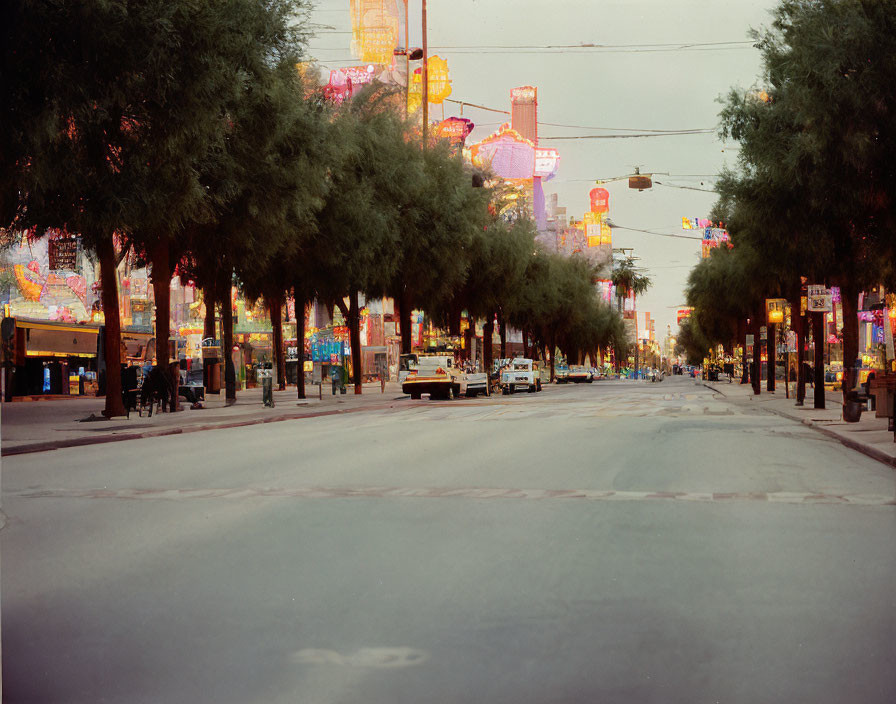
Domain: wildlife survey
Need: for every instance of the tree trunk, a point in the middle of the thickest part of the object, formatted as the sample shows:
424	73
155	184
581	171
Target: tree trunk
818	336
227	339
502	332
487	331
161	289
798	323
770	331
849	299
553	354
208	328
454	316
468	339
300	341
526	344
757	355
275	311
404	315
354	328
742	336
112	341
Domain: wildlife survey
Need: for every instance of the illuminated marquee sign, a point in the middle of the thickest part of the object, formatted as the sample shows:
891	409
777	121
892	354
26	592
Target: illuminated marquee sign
524	94
345	82
455	129
712	238
774	308
439	84
374	29
547	161
600	200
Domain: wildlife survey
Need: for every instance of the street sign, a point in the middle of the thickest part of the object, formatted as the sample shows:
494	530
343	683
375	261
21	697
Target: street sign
819	299
210	347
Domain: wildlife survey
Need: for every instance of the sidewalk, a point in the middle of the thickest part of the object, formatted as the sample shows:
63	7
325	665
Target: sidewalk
869	436
53	424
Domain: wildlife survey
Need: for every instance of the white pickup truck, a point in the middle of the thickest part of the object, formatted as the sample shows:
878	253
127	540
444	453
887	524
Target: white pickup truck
521	374
435	375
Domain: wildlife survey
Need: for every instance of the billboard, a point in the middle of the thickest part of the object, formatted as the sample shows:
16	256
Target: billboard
374	29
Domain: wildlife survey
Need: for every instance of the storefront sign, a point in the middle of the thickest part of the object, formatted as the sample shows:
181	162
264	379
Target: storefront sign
774	308
819	300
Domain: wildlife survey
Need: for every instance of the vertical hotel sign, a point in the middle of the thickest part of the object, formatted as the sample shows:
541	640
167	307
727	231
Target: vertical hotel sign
374	30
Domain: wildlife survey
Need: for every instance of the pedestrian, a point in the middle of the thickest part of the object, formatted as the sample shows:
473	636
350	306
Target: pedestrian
335	377
155	388
173	386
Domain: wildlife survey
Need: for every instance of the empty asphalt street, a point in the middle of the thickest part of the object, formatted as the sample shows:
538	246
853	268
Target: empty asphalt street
611	542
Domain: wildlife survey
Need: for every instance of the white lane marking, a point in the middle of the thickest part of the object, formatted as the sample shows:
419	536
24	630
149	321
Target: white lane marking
385	492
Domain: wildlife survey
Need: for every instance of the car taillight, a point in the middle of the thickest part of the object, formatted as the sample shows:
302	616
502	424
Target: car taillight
413	372
440	371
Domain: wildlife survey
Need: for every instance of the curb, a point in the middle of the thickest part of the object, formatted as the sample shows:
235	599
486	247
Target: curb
871	452
79	442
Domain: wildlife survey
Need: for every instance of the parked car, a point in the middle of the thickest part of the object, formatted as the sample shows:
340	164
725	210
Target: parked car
578	374
561	374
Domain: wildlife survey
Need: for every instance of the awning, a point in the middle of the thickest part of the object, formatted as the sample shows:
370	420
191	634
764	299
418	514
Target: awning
58	341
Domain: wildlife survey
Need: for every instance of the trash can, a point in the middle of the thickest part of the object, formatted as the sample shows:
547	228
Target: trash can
214	376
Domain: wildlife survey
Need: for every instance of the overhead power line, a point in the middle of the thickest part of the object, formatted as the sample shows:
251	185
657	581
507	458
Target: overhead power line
698	130
685	188
657	234
629	136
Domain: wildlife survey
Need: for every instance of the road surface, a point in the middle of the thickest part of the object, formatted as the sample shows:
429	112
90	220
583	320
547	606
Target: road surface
613	542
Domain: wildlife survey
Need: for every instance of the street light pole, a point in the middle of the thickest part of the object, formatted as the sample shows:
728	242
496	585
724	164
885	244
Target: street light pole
425	81
407	59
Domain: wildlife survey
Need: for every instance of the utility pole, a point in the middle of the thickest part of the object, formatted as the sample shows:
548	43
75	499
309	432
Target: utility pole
425	81
407	59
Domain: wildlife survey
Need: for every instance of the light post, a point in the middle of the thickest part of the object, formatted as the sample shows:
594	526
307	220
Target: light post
425	80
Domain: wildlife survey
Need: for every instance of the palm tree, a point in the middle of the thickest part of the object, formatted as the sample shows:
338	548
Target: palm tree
627	280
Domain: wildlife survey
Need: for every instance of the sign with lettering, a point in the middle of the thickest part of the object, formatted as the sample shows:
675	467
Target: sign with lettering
819	300
63	253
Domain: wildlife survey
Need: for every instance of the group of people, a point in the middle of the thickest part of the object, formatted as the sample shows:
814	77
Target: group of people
160	385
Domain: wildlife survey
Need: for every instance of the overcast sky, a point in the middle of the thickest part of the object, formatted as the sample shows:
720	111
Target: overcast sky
634	86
